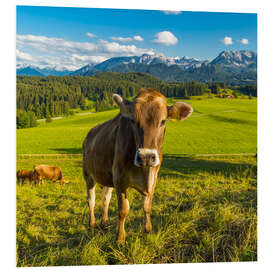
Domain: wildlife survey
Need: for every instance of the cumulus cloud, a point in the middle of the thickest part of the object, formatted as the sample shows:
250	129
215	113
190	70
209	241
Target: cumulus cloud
127	39
122	39
91	35
126	50
243	41
173	12
49	45
166	38
227	41
50	51
138	38
21	56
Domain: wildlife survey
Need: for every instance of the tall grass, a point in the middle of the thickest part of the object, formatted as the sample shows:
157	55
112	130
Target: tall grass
200	214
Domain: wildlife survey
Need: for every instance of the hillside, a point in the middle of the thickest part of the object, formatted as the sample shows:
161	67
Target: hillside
204	207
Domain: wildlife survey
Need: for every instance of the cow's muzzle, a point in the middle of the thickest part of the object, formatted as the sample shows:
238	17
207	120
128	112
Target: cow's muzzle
145	157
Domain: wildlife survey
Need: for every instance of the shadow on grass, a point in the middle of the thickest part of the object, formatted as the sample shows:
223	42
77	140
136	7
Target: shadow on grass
232	120
77	150
175	165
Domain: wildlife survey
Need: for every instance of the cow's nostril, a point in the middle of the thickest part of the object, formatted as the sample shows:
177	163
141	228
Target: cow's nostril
153	158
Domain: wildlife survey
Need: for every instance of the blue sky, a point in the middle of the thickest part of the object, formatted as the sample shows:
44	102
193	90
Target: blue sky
73	37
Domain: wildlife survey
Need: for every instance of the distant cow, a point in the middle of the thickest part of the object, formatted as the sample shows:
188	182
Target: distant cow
48	172
22	175
126	152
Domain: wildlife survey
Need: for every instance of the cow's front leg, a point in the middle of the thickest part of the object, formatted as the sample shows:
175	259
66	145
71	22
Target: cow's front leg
39	180
123	208
147	205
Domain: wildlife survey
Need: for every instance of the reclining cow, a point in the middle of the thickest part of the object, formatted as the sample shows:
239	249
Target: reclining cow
48	172
126	152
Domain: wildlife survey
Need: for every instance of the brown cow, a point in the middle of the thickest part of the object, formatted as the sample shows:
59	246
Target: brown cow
22	175
126	152
48	172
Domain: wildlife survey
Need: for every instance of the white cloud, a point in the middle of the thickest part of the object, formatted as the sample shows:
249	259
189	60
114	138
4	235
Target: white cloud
166	38
88	59
174	12
243	41
127	39
138	38
227	41
91	35
122	39
47	51
126	50
49	45
21	56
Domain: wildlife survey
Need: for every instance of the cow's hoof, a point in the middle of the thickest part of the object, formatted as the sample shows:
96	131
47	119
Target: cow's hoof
104	225
121	239
148	228
120	242
92	225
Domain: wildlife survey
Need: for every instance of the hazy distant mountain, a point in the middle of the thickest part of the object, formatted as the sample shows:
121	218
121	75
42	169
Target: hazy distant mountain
54	71
28	70
84	70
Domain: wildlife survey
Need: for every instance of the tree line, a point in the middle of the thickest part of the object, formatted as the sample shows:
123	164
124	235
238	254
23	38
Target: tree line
54	95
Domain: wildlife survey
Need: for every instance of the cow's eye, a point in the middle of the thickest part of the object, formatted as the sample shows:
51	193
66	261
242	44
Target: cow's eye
132	121
163	122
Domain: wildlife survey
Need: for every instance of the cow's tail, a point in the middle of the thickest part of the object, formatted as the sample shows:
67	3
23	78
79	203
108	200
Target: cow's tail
18	177
85	173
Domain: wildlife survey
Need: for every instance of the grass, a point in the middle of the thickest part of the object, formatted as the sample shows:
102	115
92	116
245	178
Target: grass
204	210
216	126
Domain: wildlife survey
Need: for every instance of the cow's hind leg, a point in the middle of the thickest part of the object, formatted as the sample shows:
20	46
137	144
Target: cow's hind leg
106	197
91	196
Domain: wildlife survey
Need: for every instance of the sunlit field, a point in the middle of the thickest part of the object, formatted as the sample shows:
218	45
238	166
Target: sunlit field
204	207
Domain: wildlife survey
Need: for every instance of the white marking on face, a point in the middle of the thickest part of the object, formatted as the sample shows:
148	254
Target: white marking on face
147	151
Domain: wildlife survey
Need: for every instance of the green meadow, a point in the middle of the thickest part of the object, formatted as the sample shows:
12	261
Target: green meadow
204	207
216	126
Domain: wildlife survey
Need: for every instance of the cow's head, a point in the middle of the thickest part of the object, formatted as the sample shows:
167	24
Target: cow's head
148	113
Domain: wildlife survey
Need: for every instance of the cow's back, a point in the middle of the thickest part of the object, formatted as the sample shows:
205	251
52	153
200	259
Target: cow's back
49	172
98	151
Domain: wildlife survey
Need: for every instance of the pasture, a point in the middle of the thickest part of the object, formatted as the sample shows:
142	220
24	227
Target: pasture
216	126
204	208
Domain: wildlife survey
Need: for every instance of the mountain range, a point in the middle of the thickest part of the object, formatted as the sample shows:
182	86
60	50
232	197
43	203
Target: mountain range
232	67
29	70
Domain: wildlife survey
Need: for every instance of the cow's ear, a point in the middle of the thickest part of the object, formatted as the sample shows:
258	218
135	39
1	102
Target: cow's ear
126	108
179	111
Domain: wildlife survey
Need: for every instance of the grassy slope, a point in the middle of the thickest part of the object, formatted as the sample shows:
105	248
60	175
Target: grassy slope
204	210
211	129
